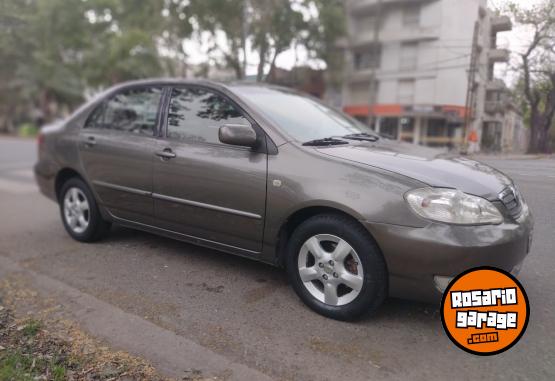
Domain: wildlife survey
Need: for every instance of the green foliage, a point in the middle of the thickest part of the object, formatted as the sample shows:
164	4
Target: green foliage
324	33
14	365
226	17
20	366
32	328
54	52
58	373
28	130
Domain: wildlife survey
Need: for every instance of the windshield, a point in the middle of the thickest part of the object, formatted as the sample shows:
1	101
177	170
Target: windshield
301	117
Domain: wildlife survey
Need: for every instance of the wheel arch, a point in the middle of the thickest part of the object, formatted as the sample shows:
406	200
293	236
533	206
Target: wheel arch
297	217
64	175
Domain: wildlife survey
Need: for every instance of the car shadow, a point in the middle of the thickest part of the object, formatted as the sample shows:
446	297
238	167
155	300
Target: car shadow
393	309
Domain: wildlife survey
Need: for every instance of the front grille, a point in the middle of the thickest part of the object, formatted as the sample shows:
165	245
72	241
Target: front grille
510	197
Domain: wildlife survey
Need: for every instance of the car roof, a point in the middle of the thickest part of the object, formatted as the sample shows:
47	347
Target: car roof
230	85
164	81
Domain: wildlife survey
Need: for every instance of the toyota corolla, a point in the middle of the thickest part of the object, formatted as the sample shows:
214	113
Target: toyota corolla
276	176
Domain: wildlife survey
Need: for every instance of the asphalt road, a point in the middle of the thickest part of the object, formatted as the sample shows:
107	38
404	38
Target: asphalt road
246	312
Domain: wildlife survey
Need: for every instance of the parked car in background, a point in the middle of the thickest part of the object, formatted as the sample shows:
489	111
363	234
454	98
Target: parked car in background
273	175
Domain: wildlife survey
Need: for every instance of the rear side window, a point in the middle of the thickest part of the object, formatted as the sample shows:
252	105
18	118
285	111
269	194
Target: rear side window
133	111
195	115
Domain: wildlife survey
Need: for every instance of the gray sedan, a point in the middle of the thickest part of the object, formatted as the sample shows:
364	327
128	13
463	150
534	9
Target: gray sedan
276	176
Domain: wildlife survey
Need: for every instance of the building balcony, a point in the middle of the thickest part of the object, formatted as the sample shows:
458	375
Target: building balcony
496	85
391	35
501	24
361	5
365	5
499	55
495	107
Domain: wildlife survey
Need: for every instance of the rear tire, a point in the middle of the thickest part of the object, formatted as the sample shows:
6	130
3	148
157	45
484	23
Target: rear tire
79	211
336	268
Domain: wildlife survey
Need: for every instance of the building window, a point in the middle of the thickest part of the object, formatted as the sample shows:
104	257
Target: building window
437	127
408	58
407	129
411	15
365	24
369	58
494	96
362	119
389	127
405	91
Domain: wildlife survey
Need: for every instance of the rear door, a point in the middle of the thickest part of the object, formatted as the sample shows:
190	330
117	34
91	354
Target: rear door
117	149
203	188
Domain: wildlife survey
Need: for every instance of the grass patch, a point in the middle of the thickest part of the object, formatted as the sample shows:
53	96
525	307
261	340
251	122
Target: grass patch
55	350
32	328
59	373
16	366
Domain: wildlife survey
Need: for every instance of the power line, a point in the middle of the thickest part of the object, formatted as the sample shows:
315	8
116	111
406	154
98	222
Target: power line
418	70
447	59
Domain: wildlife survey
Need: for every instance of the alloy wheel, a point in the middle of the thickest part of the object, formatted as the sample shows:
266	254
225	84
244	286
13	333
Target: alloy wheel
330	269
76	210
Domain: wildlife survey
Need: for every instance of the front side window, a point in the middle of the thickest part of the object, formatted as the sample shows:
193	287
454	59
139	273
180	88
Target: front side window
133	110
196	114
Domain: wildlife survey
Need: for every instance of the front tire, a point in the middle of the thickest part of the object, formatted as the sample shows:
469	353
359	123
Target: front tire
336	268
79	211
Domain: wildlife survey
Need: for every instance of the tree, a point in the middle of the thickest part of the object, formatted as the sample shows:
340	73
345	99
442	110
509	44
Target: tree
276	25
222	17
54	51
326	28
537	68
271	27
40	52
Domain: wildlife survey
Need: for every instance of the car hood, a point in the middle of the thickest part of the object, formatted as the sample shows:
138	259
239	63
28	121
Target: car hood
426	165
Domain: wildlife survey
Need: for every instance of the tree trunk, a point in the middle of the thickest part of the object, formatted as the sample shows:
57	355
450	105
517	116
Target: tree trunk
533	142
270	75
238	71
262	60
44	107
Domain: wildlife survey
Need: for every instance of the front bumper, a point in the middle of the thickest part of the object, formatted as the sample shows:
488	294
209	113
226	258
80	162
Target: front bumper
415	256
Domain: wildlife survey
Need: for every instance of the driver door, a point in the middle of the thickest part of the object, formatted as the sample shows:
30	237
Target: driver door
212	192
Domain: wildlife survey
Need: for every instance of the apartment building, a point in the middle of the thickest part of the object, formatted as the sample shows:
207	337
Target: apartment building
422	71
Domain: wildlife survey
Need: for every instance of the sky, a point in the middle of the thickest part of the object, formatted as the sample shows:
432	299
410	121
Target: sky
513	40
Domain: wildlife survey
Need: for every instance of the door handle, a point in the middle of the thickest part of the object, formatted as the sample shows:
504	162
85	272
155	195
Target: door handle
166	154
90	142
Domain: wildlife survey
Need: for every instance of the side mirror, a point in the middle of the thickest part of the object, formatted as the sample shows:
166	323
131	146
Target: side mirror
237	135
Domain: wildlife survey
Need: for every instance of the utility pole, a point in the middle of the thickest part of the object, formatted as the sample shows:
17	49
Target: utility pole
471	89
373	88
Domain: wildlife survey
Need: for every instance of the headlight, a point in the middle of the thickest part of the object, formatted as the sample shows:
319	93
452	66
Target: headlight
452	206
